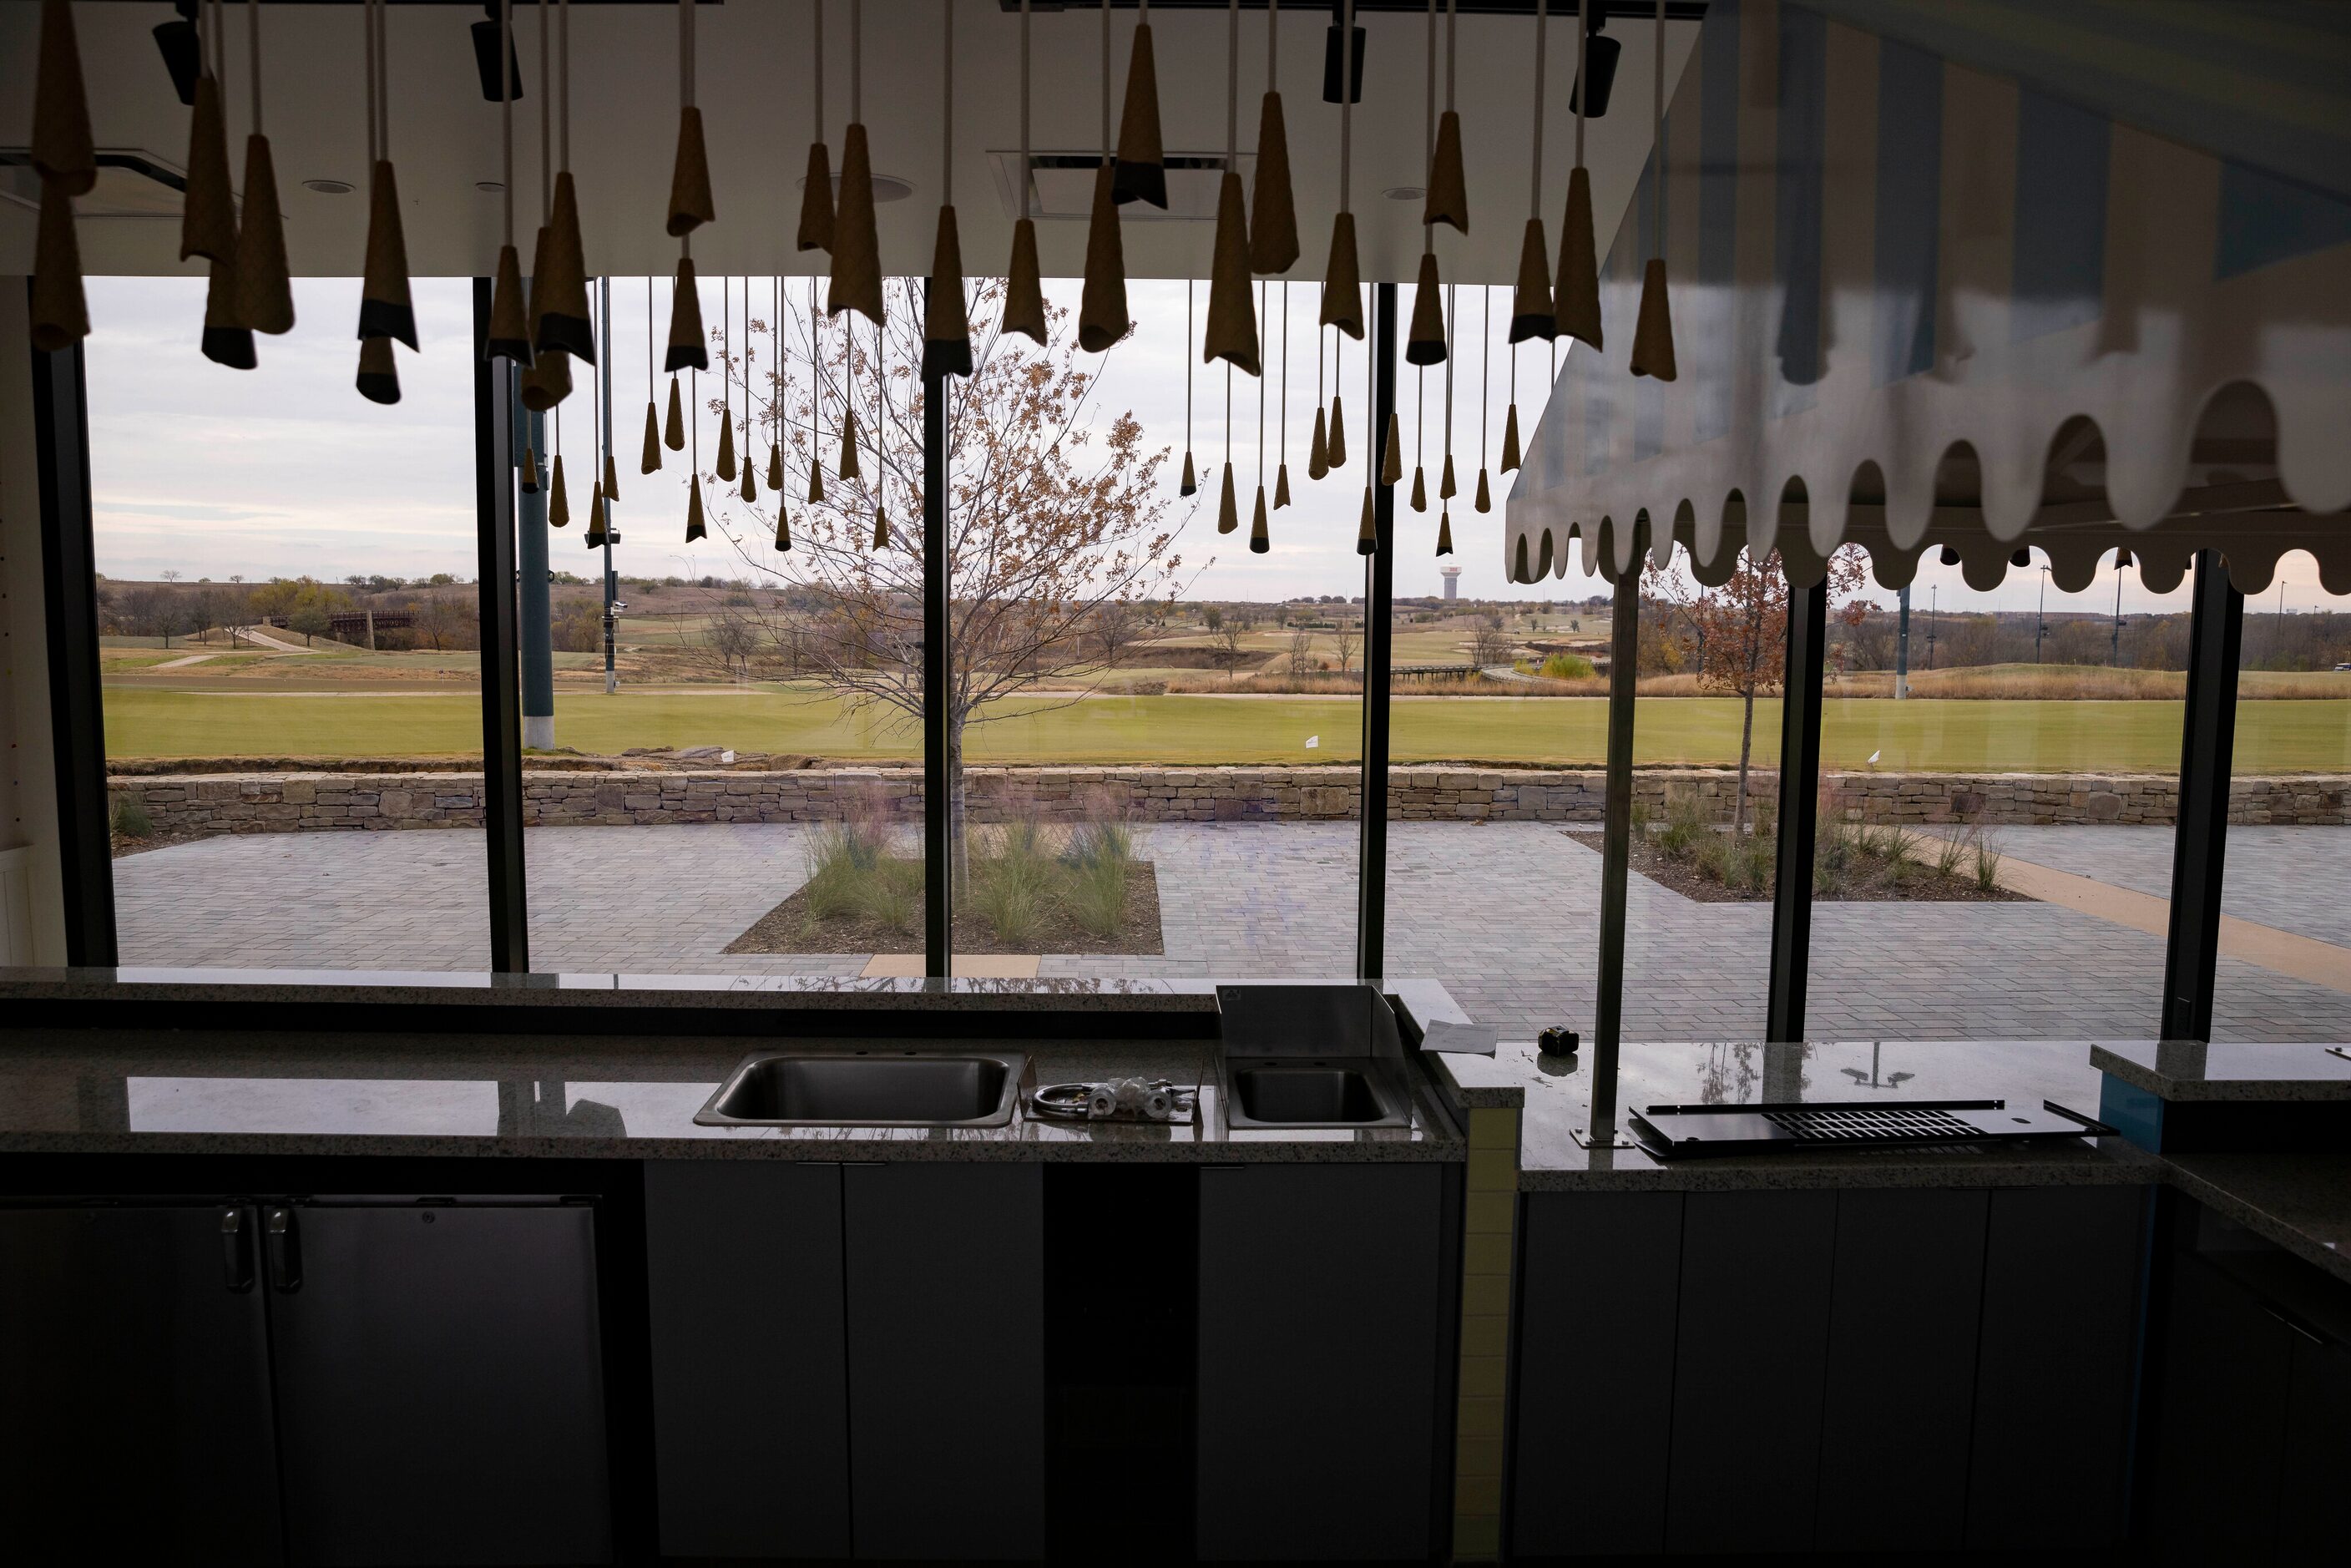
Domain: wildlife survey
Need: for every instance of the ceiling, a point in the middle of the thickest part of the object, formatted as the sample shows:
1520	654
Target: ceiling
755	94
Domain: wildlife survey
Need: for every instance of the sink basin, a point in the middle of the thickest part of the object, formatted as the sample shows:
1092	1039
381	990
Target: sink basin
1309	1093
868	1089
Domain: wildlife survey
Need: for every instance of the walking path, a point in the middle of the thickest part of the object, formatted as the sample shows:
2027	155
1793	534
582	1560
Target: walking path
1504	913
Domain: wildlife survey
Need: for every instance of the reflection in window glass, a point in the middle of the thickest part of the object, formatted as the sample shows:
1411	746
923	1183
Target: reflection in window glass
289	643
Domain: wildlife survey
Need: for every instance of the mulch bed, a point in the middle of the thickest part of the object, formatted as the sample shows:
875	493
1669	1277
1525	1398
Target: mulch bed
159	840
787	928
1875	886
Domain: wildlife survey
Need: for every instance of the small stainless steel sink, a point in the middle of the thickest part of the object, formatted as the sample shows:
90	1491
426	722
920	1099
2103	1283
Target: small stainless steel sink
1293	1092
877	1088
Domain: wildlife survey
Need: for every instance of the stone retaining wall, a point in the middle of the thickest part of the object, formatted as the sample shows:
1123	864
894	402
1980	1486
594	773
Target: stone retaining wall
300	803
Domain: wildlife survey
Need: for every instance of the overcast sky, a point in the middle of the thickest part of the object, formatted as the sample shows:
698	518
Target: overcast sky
286	470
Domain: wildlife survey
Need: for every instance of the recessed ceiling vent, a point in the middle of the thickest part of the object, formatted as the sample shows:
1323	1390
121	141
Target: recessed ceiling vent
1062	186
133	183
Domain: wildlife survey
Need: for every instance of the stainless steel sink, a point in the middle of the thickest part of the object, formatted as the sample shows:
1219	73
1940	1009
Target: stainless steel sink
1305	1093
876	1088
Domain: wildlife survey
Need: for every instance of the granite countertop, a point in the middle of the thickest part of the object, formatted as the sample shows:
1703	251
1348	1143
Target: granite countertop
2301	1201
204	1092
1555	1094
2191	1070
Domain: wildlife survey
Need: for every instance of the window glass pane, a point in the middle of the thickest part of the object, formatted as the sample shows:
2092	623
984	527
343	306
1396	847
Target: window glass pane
2284	973
288	637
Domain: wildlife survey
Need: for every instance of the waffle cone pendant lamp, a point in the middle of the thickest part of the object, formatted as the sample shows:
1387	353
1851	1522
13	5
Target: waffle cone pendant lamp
1485	375
1318	450
1139	173
1190	482
1342	293
816	189
1391	455
208	211
1367	532
564	321
1653	330
1261	542
1231	334
750	491
1281	423
847	467
856	247
379	377
946	324
775	467
783	528
265	292
1282	487
1102	303
1024	289
1228	516
1511	439
688	347
1445	533
529	469
1576	300
1419	488
1273	206
385	308
726	466
611	480
227	340
694	529
1446	488
815	482
673	436
60	311
1334	450
509	334
1424	345
1531	305
881	528
1485	500
547	380
558	501
595	532
1447	201
690	206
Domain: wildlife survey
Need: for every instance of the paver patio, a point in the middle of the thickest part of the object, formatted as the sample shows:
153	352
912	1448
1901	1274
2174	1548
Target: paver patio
1504	913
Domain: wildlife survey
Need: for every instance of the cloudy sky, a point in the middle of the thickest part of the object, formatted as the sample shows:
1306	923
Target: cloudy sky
286	470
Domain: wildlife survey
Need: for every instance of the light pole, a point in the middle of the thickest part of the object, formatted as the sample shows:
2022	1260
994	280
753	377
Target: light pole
2122	562
1902	648
2041	616
1934	595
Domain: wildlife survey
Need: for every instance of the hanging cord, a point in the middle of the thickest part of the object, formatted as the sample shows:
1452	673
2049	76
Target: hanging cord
1428	130
650	355
1657	124
1485	371
1108	150
1579	82
1281	450
563	82
725	375
545	136
1260	386
816	69
946	112
1188	367
1452	54
1347	107
1452	314
367	31
382	81
253	58
1025	203
1534	188
505	113
1232	80
1272	50
856	62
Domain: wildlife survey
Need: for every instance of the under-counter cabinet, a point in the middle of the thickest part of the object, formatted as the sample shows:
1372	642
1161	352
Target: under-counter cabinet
1834	1370
397	1382
1326	1331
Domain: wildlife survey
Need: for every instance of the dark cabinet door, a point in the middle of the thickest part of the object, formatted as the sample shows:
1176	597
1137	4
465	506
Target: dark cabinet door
1901	1370
945	1278
2317	1449
440	1390
2056	1367
2219	1420
1600	1280
750	1376
134	1387
1321	1352
1750	1365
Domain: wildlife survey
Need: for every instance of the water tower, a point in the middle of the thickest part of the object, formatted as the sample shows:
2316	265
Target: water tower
1452	576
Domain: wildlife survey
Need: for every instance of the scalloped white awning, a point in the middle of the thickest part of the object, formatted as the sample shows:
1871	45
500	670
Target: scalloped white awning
1920	306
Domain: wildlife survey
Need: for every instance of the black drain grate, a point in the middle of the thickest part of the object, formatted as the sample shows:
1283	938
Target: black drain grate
1695	1132
1872	1125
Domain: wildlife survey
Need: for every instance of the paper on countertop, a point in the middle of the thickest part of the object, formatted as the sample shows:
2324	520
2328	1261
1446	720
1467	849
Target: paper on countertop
1466	1039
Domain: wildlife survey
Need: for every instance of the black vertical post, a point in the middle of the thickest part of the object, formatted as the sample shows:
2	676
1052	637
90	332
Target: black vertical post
1615	846
69	599
1379	582
494	530
1800	783
2208	738
938	783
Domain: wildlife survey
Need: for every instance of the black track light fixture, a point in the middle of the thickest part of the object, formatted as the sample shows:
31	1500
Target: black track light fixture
1600	53
1334	51
485	58
182	57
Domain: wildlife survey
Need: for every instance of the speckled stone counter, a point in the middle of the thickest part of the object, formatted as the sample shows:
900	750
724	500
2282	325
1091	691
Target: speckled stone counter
198	1091
2191	1070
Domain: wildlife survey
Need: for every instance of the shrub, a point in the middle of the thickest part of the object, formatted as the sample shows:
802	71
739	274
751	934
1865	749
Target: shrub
130	818
1012	890
1686	828
1951	853
1568	667
1987	864
1097	895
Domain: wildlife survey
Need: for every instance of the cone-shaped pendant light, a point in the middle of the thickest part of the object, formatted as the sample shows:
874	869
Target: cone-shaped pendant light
1445	533
946	328
1259	540
847	467
726	466
1576	300
1446	488
1392	457
1448	187
611	480
384	308
1273	207
264	291
1424	345
1343	292
226	340
1141	172
1282	487
61	312
595	534
816	481
1318	451
1231	333
1532	313
1511	439
1335	451
509	332
1101	305
674	434
816	189
1228	516
1024	289
775	467
559	500
690	206
688	345
750	491
208	211
379	377
1190	481
62	151
1485	501
529	469
694	529
564	321
783	527
1419	488
1653	330
881	528
547	380
1367	533
856	246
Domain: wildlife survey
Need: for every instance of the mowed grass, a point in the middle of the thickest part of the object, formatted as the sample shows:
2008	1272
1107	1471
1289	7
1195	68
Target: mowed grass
1921	736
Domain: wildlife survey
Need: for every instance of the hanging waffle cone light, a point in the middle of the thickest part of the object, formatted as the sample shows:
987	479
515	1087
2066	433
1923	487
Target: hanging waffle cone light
726	466
856	246
1367	533
1485	501
564	321
595	534
783	527
1391	457
674	432
208	211
1139	173
1511	439
529	469
1229	517
1576	300
694	529
1261	542
690	203
1282	487
379	377
1446	488
1273	206
750	491
1445	533
1419	488
688	347
1190	483
1102	303
227	340
611	480
946	326
1024	289
60	311
559	500
1231	333
547	381
265	289
385	311
1532	313
847	467
1653	330
1448	187
816	189
1318	450
776	466
1343	292
1334	449
63	153
1424	345
509	332
881	528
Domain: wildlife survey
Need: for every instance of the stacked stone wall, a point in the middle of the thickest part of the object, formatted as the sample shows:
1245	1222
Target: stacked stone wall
307	802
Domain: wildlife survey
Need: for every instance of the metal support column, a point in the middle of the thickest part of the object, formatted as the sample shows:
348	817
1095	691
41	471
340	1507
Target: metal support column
1800	784
494	530
69	599
2208	738
604	456
1372	857
938	805
535	625
1615	848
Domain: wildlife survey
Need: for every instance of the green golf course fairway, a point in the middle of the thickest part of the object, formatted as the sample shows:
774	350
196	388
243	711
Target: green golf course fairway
2022	736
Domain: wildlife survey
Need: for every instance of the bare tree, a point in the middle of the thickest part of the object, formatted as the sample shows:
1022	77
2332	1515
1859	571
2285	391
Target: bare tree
1231	630
1490	645
1301	651
734	638
1117	622
1346	637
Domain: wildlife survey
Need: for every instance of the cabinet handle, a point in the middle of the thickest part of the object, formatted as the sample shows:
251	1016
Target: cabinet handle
237	1251
285	1250
2296	1327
